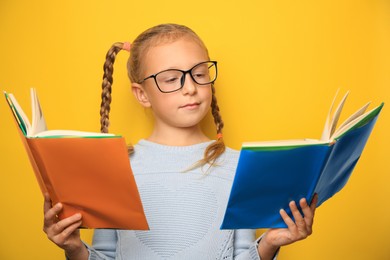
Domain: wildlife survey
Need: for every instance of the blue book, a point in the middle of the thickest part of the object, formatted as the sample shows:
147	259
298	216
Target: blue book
271	174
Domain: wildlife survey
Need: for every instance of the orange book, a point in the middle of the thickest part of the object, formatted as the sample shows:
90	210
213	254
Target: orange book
87	172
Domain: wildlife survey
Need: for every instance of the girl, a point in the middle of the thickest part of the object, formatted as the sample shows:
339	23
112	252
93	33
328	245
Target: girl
172	74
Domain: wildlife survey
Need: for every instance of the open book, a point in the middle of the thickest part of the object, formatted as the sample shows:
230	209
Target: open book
89	173
270	174
37	127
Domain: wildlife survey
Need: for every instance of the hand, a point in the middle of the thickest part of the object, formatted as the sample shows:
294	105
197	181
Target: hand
64	233
295	231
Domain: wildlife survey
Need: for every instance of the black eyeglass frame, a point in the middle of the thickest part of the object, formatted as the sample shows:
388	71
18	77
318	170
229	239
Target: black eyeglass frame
183	78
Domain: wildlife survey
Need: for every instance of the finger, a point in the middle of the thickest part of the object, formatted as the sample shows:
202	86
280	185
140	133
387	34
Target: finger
295	211
54	231
313	204
287	219
299	220
308	215
307	212
47	202
71	228
50	216
62	237
63	224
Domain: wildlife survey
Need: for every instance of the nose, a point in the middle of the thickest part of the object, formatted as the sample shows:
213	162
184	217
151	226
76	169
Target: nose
189	86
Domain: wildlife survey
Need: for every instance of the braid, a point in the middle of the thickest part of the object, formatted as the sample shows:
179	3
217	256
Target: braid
155	36
215	111
108	68
216	148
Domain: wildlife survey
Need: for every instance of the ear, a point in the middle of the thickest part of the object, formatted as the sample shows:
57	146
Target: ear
140	94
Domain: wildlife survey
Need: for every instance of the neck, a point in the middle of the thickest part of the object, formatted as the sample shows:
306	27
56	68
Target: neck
178	136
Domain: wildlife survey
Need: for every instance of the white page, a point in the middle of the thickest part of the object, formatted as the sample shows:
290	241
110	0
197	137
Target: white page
71	133
38	120
20	111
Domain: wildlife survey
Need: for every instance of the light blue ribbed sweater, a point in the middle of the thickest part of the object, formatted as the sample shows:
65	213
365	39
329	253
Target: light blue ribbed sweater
184	209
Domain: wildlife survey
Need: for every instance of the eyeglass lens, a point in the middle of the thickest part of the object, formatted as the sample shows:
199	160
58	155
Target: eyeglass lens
172	80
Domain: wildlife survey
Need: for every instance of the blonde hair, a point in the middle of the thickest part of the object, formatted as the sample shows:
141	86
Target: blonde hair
160	34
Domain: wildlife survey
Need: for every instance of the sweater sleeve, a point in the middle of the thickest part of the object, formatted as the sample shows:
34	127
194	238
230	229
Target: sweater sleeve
104	245
245	245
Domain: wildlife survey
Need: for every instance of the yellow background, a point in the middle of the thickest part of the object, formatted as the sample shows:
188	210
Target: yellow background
280	64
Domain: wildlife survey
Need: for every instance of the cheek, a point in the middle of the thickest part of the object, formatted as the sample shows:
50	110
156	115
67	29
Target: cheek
154	95
208	96
164	103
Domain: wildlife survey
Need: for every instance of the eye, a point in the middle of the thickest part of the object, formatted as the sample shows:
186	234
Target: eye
199	73
201	76
169	77
171	80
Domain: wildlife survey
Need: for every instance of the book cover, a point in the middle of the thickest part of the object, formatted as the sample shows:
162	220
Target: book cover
89	173
271	174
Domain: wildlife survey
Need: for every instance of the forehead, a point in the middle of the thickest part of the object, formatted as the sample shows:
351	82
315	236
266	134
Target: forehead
182	53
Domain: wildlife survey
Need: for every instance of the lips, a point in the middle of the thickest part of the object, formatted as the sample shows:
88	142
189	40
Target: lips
191	105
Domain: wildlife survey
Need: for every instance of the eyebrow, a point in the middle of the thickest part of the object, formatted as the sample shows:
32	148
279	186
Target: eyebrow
177	68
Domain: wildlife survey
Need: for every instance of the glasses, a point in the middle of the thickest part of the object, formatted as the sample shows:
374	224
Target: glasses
171	80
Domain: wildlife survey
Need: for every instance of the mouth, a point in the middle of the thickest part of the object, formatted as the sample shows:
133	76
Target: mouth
190	105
